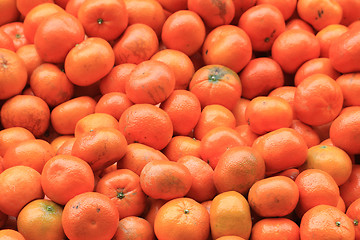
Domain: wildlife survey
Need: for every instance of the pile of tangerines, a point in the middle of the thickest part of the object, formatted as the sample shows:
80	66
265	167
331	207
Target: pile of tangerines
179	119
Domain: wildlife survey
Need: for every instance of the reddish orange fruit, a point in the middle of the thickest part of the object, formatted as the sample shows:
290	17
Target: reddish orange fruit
105	19
260	76
150	82
33	153
266	114
87	213
184	110
294	47
122	186
238	169
344	130
184	31
270	228
316	187
224	44
318	95
165	179
146	124
182	218
326	222
11	234
84	65
216	142
353	213
100	148
26	111
281	149
214	13
181	146
138	155
213	116
13	135
135	228
263	24
26	186
57	35
343	52
202	187
64	176
216	84
13	74
132	46
320	13
273	196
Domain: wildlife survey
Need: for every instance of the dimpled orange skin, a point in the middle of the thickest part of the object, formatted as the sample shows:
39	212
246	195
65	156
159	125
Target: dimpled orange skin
11	136
350	86
146	124
318	95
238	169
65	116
181	146
89	61
105	19
182	218
275	228
11	234
332	160
353	213
138	155
347	124
216	142
320	13
150	82
202	187
165	179
185	31
294	47
344	52
48	82
266	114
61	173
25	187
33	153
263	23
122	186
326	222
13	74
90	216
274	196
227	45
216	84
230	215
260	76
26	111
281	149
132	46
316	187
214	13
100	148
316	65
41	219
60	31
349	191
